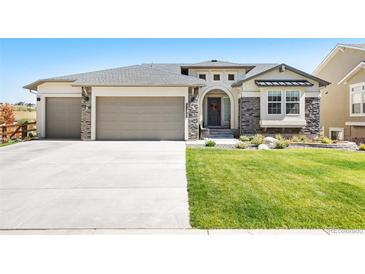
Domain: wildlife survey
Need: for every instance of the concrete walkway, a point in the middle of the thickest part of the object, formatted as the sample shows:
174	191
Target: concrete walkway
88	185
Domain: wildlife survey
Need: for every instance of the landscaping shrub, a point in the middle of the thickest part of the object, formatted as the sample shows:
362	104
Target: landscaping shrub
281	144
326	140
299	139
22	121
244	138
257	140
7	114
279	137
241	145
362	147
210	143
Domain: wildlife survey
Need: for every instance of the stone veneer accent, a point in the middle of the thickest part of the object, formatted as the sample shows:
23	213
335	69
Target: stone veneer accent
249	115
86	113
312	116
193	115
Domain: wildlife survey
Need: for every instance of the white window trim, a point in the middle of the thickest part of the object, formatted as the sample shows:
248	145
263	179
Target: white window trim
216	73
235	76
292	114
340	129
362	110
203	73
283	101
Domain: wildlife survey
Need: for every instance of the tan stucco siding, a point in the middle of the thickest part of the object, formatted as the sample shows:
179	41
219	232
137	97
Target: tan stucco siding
335	98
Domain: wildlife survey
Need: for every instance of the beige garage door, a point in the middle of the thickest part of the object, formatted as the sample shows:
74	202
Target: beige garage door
140	118
63	117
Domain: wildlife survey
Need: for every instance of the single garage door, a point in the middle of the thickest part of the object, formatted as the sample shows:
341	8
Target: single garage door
140	118
63	117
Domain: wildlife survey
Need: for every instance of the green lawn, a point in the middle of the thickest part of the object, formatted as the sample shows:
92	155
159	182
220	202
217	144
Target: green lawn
309	188
6	144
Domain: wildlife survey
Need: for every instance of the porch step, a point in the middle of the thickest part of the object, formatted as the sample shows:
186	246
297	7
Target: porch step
220	133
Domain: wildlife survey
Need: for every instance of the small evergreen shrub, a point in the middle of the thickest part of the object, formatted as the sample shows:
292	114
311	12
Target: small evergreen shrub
362	147
257	140
241	145
210	143
244	138
326	141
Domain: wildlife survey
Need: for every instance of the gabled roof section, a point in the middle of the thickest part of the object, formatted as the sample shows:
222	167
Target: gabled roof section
333	53
262	71
355	70
137	75
218	64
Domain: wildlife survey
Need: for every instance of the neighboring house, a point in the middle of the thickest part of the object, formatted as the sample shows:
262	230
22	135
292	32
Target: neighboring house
178	101
343	102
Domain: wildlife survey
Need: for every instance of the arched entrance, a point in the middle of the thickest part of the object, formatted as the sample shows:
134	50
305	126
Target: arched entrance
217	108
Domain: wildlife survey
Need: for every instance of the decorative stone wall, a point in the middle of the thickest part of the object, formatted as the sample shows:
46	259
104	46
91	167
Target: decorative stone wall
312	116
86	113
249	115
193	115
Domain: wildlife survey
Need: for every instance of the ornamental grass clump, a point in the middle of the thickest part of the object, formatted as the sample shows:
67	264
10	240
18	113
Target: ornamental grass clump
281	144
362	147
210	143
244	138
241	145
326	141
257	140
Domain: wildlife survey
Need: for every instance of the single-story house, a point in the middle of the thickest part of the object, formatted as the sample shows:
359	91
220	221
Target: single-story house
179	102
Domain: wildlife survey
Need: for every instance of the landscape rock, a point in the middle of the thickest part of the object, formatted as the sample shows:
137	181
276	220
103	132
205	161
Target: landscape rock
270	142
263	147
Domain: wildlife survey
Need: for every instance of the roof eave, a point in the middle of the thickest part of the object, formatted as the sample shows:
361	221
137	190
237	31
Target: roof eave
351	73
332	53
34	85
135	85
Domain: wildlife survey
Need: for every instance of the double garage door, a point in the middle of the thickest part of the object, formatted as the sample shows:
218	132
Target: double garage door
119	118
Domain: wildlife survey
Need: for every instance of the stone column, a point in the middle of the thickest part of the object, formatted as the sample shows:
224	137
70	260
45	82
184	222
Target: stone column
193	114
312	116
86	113
249	115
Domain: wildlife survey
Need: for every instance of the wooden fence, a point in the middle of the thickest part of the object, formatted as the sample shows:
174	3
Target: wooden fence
15	131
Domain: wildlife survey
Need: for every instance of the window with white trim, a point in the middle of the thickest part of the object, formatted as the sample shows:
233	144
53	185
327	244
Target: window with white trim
274	102
292	102
357	99
216	77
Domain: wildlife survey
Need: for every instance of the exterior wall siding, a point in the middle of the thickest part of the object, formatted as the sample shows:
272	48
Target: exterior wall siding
86	114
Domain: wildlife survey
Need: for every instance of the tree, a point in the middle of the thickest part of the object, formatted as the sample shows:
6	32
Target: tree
7	113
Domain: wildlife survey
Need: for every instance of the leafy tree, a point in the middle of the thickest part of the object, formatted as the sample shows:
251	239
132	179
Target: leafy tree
7	113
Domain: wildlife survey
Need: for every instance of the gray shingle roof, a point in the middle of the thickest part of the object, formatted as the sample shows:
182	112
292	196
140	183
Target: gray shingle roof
361	46
137	75
259	70
216	63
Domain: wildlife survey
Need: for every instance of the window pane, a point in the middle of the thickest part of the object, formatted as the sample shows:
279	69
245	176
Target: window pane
292	96
227	109
356	108
335	135
274	108
230	77
216	77
202	76
274	96
292	108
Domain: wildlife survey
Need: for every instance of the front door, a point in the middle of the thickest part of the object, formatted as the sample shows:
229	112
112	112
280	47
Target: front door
214	111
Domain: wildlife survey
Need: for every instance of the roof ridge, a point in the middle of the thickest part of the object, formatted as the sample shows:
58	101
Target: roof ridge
181	75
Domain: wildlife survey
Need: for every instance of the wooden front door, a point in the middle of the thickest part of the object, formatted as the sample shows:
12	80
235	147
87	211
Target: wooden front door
214	111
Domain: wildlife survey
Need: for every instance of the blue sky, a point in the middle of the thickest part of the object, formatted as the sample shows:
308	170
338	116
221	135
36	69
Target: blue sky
25	60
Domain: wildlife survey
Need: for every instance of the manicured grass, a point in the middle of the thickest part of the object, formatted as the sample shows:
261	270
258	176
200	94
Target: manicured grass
308	188
6	144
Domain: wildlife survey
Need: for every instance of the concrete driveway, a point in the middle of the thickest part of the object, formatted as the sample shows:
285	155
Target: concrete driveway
74	184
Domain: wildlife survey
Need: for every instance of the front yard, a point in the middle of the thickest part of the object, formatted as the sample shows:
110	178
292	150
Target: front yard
307	188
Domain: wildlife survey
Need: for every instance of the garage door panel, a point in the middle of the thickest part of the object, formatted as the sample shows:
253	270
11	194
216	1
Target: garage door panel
140	118
63	117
